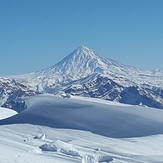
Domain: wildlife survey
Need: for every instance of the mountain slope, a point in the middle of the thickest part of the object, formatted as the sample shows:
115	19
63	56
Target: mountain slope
113	89
11	91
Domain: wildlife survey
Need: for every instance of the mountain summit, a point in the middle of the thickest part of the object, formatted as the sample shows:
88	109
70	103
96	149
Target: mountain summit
79	63
83	62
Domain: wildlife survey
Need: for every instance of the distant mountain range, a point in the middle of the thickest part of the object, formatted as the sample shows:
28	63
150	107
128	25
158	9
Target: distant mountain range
86	73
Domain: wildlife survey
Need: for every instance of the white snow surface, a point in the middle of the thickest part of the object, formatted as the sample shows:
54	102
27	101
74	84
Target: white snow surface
5	113
99	117
81	130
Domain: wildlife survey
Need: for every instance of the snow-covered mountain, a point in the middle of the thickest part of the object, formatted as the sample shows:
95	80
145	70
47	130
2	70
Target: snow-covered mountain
79	64
83	62
11	91
104	87
86	73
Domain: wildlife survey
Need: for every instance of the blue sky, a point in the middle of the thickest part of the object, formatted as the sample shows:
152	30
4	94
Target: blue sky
36	34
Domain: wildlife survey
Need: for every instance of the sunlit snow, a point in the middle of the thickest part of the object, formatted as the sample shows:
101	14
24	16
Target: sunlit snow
5	113
81	130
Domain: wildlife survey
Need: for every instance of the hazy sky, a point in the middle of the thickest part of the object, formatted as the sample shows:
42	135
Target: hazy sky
36	34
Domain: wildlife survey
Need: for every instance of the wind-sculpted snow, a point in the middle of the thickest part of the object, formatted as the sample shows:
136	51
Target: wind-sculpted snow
100	117
22	140
60	146
96	159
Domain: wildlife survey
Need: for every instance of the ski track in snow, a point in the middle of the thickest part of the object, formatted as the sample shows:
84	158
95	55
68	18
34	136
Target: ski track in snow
27	143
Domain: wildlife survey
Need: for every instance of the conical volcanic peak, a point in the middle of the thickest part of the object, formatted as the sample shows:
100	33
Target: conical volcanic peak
83	62
82	49
81	52
80	63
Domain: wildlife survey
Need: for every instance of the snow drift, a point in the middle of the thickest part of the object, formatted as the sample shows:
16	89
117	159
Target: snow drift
101	117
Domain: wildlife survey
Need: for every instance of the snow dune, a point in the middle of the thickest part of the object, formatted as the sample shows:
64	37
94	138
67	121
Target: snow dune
102	117
44	132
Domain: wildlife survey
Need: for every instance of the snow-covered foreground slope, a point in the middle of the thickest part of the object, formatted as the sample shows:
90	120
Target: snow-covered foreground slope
22	143
53	129
100	117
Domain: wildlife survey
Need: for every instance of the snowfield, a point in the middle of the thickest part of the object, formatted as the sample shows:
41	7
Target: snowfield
81	130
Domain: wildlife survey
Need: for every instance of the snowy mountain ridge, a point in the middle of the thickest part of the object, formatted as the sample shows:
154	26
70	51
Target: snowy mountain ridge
83	62
86	73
